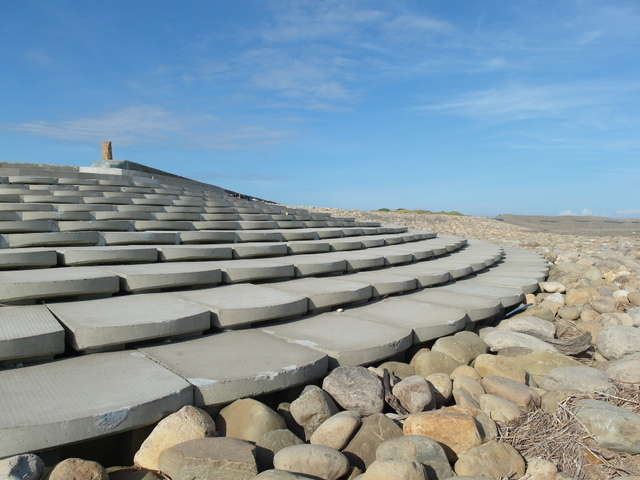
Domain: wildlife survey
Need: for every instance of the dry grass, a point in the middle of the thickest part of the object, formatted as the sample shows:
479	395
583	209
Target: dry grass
562	439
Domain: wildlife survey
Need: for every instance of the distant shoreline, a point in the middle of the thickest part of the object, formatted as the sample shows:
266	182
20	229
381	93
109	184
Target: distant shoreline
575	225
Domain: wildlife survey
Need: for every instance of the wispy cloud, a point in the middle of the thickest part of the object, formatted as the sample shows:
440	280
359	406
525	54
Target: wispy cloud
147	125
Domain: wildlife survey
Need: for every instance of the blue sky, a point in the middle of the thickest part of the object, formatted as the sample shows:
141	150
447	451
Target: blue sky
485	107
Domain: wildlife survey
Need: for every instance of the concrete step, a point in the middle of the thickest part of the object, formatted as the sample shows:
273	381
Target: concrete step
56	216
27	258
175	253
38	284
245	363
139	238
167	275
384	281
346	339
29	333
252	269
86	397
24	226
96	226
326	293
99	255
46	239
115	322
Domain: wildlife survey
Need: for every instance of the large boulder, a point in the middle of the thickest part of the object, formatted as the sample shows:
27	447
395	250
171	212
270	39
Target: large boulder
318	461
612	427
417	449
248	419
617	341
582	379
355	388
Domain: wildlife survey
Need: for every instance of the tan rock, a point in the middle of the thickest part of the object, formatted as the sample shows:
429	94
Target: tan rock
493	459
593	327
634	298
538	363
248	419
588	315
469	386
616	318
375	429
212	458
336	431
552	287
549	401
467	371
524	397
463	399
455	431
602	304
539	311
530	298
312	407
414	394
569	313
314	460
552	306
541	469
463	347
73	468
579	296
441	387
499	409
188	423
500	365
399	369
435	362
414	359
271	443
394	470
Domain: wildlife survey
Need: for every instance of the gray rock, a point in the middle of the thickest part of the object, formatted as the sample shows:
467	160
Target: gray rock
271	443
312	408
569	313
375	429
469	386
462	347
499	339
602	304
625	370
21	467
499	409
355	388
617	341
524	397
528	324
315	460
417	449
212	458
612	427
552	287
414	394
441	387
429	363
336	431
581	379
495	459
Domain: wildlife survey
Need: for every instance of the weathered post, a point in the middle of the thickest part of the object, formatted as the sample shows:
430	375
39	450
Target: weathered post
107	154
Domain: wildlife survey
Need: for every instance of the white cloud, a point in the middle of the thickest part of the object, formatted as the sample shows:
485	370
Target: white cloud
145	125
586	212
565	213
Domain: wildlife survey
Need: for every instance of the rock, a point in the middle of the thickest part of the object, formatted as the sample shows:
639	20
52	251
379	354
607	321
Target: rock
612	427
499	339
399	369
394	470
463	347
355	388
556	297
593	327
312	408
455	431
541	469
589	315
634	298
618	318
336	431
134	473
464	399
625	370
212	458
22	467
494	459
621	295
603	304
617	341
469	386
279	475
529	325
539	363
487	427
73	468
441	387
248	419
414	394
418	449
188	423
375	429
552	287
582	379
539	311
569	313
524	397
499	365
429	363
499	409
314	460
284	412
552	399
467	371
579	296
271	443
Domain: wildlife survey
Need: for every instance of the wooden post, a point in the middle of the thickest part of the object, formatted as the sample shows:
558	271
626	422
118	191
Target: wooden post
106	151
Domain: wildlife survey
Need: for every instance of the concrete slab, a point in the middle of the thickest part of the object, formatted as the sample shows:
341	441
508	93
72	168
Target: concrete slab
57	216
324	293
25	207
217	225
24	226
84	398
95	226
309	246
175	253
175	217
477	308
236	305
252	269
114	321
99	255
384	281
360	260
313	264
39	284
27	258
206	237
230	365
146	225
139	238
29	333
427	321
525	284
508	297
427	274
154	276
257	250
20	240
346	339
259	236
109	215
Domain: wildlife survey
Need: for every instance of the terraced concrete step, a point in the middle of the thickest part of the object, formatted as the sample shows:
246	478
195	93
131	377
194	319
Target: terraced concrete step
27	258
324	293
476	307
169	275
84	398
24	285
74	256
245	363
29	332
112	322
346	339
20	240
